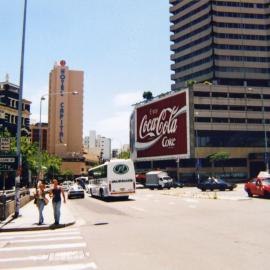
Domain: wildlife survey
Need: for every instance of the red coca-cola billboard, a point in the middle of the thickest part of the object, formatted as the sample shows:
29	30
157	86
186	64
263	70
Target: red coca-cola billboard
161	128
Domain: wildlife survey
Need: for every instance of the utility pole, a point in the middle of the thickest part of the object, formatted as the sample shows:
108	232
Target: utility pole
19	121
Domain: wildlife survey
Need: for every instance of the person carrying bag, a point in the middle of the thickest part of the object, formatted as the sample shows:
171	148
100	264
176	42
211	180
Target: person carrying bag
41	201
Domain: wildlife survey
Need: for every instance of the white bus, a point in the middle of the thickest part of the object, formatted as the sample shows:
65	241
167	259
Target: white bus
115	178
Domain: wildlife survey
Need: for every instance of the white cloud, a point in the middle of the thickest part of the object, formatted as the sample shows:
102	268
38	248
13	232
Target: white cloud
116	127
127	99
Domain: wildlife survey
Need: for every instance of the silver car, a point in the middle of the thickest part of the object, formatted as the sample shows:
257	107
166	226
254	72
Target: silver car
75	191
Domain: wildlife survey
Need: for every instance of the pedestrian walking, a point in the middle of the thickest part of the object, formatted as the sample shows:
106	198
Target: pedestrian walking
56	193
41	201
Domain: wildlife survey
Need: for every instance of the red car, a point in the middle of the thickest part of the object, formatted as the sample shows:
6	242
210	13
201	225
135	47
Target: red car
258	186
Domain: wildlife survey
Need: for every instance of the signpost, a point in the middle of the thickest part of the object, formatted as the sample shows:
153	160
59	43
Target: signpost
5	144
8	163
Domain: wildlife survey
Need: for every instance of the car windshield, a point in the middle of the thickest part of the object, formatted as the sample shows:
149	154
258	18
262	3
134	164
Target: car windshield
266	182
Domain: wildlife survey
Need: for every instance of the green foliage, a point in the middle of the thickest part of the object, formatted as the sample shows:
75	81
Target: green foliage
190	83
124	155
147	95
33	160
219	156
67	173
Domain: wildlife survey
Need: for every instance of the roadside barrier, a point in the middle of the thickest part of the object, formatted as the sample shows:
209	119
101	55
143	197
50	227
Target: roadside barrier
7	201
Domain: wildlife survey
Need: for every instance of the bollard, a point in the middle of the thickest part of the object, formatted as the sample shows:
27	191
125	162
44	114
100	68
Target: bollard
4	201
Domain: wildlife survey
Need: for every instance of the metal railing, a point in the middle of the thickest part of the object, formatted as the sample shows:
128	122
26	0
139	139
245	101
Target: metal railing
8	196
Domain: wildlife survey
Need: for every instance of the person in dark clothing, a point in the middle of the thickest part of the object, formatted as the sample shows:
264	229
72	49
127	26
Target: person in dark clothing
56	193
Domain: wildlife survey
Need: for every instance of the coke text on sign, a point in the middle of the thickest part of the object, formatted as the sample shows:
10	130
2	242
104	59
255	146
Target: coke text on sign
162	127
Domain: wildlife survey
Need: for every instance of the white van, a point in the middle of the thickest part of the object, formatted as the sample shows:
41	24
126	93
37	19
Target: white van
115	178
158	179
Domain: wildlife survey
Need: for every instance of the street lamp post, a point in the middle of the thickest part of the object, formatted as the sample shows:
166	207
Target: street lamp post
266	154
19	121
266	161
42	98
196	151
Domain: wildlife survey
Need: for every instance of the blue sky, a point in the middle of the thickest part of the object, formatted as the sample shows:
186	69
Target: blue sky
122	46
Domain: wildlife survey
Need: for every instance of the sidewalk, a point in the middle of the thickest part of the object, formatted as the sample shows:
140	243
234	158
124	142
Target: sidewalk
27	221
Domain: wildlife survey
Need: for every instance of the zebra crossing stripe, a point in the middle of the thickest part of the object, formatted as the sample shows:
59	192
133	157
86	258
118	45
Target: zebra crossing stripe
81	266
43	247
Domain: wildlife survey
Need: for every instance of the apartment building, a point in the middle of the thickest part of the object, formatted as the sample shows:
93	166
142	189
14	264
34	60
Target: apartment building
224	42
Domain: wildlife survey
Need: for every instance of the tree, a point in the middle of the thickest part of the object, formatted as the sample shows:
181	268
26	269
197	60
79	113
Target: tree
147	95
219	156
190	83
33	160
68	174
124	155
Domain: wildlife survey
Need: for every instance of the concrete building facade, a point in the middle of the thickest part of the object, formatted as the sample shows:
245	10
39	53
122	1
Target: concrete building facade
65	120
9	95
224	42
44	135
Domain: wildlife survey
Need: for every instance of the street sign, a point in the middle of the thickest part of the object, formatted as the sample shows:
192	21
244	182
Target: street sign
8	163
4	144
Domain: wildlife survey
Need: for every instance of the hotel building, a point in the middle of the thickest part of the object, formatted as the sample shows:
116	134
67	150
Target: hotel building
65	116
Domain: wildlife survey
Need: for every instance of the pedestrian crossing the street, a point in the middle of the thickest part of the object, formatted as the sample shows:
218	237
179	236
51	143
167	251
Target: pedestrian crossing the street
63	249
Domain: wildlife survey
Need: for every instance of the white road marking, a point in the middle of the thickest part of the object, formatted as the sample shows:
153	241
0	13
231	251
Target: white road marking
22	259
28	233
81	266
45	239
39	235
44	247
67	256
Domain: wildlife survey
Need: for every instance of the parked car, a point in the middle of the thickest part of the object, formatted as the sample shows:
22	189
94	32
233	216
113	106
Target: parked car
178	184
213	183
66	185
75	191
258	186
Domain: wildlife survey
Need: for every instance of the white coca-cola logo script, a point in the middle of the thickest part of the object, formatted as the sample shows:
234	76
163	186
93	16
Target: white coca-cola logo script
164	124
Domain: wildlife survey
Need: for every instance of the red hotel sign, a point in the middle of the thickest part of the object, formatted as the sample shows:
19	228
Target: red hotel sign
162	128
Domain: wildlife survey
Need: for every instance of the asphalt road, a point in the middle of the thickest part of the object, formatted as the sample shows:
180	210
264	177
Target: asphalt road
161	230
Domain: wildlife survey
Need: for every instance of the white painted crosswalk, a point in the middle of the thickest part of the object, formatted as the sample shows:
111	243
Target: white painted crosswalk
44	250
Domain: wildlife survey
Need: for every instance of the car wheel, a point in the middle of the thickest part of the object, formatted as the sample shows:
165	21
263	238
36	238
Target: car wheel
203	189
91	192
231	189
101	194
249	193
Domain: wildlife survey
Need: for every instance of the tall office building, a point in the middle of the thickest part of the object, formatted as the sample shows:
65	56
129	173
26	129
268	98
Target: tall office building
65	125
224	42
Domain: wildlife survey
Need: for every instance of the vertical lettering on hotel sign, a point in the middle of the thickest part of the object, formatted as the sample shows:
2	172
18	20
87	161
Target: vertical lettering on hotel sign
62	109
